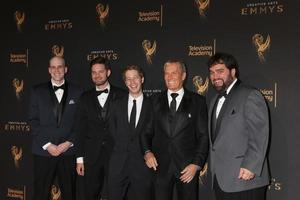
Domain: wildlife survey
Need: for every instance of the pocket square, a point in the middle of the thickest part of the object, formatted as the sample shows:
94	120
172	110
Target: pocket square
190	116
71	101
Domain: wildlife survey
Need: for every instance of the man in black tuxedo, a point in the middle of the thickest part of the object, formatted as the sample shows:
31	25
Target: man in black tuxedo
51	116
94	140
128	175
179	146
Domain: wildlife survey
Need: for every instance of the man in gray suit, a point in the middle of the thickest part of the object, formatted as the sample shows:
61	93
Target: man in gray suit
239	134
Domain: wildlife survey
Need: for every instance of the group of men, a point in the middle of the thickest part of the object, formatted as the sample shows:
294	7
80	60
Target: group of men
129	146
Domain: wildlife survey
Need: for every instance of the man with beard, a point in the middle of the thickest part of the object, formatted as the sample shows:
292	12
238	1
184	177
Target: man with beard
94	140
239	133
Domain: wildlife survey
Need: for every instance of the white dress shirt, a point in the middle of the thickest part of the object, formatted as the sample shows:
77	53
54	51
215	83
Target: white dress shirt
178	98
139	102
59	94
103	96
222	99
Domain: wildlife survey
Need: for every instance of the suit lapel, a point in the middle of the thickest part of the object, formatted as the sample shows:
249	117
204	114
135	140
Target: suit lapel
142	116
165	112
225	107
96	103
181	113
53	99
210	114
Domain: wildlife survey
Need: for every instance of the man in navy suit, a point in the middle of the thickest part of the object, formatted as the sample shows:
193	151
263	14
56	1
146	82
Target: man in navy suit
178	148
51	116
128	175
94	140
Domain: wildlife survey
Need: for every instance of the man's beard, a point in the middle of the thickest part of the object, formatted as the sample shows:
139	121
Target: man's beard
224	86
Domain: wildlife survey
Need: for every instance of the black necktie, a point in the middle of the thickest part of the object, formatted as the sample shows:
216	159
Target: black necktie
173	104
101	91
58	87
133	115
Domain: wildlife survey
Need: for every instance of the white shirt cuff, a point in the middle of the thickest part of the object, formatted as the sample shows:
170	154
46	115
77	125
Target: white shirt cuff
79	160
46	145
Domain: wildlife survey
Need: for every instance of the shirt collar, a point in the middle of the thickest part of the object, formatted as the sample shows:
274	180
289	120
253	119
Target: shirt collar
139	98
54	84
230	86
107	87
179	92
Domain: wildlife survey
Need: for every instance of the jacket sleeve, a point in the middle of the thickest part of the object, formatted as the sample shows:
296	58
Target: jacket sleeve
257	129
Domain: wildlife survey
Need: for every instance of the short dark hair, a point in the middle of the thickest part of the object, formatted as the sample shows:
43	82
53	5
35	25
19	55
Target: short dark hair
100	60
224	58
133	67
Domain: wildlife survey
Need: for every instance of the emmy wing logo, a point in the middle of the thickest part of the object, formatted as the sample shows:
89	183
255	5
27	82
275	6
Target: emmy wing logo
58	50
261	45
200	85
19	18
202	6
102	12
18	86
55	193
203	174
149	49
16	154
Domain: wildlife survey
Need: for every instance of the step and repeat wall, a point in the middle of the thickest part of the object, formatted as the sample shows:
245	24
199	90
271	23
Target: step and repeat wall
262	34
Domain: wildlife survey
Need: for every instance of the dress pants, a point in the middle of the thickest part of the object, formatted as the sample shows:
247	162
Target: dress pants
45	171
253	194
165	183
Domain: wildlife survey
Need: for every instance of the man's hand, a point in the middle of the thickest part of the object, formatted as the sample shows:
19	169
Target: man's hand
188	173
245	174
53	150
63	147
150	160
80	169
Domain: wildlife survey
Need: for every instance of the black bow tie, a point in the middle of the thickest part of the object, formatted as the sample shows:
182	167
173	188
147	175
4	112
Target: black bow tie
101	91
222	94
58	87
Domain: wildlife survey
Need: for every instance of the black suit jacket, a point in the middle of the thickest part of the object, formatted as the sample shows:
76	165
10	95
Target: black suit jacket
189	141
43	117
92	126
127	141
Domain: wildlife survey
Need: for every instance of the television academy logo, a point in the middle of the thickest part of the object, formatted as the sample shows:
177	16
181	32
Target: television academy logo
202	6
149	49
55	192
19	57
151	16
17	155
58	50
15	193
261	45
18	86
270	94
102	13
19	18
207	49
200	85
